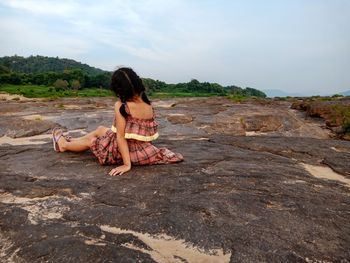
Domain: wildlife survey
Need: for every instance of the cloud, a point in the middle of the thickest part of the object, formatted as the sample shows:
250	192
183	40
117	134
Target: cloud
42	7
22	39
126	25
248	43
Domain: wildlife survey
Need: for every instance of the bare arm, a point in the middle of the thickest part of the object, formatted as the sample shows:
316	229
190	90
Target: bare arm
120	123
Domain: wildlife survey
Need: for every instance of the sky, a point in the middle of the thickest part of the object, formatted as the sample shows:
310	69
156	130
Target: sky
299	46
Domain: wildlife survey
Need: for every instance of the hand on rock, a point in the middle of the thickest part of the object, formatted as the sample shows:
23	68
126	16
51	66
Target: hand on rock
120	170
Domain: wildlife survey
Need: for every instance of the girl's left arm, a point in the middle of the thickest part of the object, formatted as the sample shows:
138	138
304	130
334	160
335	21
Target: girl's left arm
122	143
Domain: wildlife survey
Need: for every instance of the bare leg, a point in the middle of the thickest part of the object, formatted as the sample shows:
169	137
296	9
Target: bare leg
74	146
101	130
82	143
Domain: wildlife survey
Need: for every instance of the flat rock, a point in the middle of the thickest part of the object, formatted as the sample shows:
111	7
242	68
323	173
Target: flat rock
19	127
178	118
234	198
335	113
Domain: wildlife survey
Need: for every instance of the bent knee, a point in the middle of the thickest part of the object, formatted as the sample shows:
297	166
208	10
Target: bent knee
92	141
101	130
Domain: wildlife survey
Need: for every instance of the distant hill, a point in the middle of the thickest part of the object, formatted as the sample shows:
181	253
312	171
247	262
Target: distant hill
42	64
280	93
235	90
41	70
346	93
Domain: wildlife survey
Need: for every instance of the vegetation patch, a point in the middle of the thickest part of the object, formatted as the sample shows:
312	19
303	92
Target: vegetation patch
39	76
237	98
334	110
36	91
341	114
181	94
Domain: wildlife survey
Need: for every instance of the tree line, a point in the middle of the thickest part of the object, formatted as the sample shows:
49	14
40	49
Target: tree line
42	64
69	74
204	87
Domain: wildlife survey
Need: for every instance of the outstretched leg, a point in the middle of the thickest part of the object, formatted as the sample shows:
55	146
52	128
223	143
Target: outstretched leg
100	131
82	143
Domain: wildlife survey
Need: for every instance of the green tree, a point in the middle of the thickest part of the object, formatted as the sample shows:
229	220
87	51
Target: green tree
4	69
254	92
75	84
41	64
60	84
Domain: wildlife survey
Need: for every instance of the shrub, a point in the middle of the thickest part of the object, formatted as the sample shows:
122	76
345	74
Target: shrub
342	112
60	84
237	98
75	84
337	96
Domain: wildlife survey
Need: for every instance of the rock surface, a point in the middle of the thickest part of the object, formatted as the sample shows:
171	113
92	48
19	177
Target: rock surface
336	113
260	183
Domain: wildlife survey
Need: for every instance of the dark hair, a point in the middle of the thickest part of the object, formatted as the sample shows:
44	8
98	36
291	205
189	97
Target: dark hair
126	84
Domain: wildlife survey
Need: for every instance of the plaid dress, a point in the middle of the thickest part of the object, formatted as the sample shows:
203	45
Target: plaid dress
139	134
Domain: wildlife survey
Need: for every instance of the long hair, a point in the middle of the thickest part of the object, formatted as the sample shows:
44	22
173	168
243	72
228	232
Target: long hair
126	84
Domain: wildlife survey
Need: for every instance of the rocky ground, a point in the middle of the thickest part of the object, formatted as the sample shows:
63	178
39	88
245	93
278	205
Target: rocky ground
260	183
334	111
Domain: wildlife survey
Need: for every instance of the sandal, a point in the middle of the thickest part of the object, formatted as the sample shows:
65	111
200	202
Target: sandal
55	138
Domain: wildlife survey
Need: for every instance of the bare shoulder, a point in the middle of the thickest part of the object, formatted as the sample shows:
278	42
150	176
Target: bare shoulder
141	110
117	105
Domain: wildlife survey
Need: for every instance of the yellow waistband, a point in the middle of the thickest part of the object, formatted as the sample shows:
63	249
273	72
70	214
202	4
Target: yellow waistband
141	137
137	136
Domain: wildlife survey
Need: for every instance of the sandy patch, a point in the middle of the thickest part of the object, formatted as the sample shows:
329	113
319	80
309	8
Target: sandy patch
325	172
199	139
39	208
254	133
164	103
6	246
167	249
36	117
294	182
44	211
339	150
189	138
94	242
7	198
32	140
37	139
7	96
71	107
177	114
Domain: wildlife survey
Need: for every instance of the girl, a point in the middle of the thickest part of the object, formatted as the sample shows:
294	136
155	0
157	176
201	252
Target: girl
128	141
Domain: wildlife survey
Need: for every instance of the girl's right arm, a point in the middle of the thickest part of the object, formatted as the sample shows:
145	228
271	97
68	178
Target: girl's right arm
123	147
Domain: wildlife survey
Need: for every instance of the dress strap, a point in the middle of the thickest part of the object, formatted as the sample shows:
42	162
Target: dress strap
154	113
126	108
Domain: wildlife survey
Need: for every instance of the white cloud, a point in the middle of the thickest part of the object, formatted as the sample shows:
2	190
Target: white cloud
125	25
230	42
31	38
42	7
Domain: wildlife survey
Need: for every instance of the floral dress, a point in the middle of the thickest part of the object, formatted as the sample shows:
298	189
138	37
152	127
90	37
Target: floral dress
139	134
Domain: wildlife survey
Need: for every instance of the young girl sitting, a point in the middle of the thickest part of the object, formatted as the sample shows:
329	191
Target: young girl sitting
128	141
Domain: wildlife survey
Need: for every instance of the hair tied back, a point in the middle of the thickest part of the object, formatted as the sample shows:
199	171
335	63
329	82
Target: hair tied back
129	80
